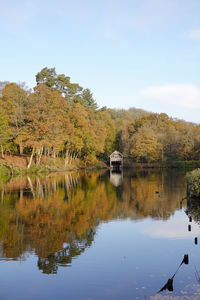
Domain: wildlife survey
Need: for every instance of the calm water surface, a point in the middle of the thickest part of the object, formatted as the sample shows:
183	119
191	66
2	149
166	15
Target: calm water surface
96	235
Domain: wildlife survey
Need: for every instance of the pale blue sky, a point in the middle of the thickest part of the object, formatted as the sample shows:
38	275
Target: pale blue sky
141	53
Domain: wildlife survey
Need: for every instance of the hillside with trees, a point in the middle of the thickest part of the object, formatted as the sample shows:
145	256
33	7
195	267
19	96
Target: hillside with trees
61	119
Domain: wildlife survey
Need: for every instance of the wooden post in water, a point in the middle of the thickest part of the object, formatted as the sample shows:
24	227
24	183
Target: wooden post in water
186	259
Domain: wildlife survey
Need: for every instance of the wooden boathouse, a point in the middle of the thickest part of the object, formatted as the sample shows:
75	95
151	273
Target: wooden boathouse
116	160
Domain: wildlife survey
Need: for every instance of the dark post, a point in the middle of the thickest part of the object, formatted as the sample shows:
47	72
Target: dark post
186	259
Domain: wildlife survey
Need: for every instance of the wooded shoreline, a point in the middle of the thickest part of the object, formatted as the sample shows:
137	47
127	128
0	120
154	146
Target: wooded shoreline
17	165
58	125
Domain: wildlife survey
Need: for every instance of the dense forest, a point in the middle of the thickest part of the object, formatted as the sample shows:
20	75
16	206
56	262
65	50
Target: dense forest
62	119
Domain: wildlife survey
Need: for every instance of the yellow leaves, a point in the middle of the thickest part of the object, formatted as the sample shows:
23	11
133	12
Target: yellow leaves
144	146
14	99
157	137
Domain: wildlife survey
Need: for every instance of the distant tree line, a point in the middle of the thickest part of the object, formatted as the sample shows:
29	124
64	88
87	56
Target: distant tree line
157	137
62	119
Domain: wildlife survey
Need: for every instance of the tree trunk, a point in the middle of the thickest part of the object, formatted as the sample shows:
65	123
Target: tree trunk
2	154
54	153
21	149
66	157
31	158
39	156
2	193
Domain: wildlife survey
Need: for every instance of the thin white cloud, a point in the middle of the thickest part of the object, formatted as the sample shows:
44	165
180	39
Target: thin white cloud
172	229
182	95
194	35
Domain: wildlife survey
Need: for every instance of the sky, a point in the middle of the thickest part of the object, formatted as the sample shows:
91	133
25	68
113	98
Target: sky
129	53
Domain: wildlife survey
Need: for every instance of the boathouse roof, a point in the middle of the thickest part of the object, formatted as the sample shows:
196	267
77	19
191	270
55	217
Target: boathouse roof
116	153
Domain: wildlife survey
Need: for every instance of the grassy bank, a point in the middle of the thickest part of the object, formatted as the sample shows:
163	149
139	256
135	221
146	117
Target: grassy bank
17	165
4	173
191	164
188	165
193	183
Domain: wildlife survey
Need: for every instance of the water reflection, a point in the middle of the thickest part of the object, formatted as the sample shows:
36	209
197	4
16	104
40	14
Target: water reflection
56	216
116	177
193	213
63	257
193	209
169	284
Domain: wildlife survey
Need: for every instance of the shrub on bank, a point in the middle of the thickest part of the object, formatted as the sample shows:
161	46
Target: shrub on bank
193	183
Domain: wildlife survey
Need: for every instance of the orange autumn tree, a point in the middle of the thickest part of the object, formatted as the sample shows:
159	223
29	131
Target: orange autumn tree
44	128
14	103
5	132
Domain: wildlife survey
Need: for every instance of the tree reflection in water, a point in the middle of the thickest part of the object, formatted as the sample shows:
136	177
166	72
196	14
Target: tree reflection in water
193	209
56	216
63	257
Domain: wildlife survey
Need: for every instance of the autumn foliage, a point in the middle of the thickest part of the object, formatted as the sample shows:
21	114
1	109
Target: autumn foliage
62	119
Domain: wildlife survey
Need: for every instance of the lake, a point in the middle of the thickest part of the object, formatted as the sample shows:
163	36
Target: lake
99	235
